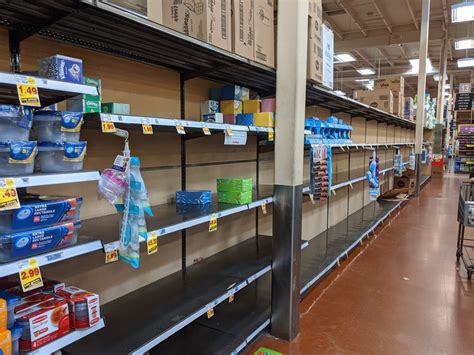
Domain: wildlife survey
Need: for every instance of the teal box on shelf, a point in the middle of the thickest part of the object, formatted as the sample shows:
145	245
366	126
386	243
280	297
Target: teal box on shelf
194	197
244	119
235	92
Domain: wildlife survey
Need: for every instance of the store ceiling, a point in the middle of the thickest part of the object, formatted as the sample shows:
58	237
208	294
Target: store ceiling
385	34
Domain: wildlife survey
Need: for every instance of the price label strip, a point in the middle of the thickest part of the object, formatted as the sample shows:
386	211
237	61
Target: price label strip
107	125
27	92
264	208
30	275
146	126
213	223
206	131
180	129
8	195
152	243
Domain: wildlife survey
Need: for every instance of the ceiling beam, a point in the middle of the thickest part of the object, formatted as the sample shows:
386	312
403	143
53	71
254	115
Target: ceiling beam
382	15
384	56
364	58
352	16
333	26
412	14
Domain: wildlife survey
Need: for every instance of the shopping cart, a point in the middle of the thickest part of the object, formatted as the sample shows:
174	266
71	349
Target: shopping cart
465	248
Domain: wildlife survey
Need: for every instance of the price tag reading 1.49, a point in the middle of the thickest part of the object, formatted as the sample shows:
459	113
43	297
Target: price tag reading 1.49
30	275
213	223
8	195
152	243
146	126
27	91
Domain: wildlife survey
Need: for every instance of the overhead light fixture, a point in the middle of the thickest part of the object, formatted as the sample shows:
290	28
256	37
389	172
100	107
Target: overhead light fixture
464	44
465	62
462	12
340	92
447	86
365	71
415	66
436	77
362	80
344	58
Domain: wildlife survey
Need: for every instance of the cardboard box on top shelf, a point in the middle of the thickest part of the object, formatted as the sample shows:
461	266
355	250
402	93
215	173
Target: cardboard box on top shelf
155	11
243	28
136	6
251	106
231	107
381	99
395	83
314	71
398	103
207	20
328	56
264	32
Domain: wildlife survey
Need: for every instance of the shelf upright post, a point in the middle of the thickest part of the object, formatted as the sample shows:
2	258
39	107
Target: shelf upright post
14	46
420	109
438	131
182	102
257	184
289	160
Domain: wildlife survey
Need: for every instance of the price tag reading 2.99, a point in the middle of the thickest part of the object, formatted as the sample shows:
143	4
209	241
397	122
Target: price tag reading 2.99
30	275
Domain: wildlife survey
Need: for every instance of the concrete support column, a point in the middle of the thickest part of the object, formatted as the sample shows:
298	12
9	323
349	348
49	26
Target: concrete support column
420	108
438	131
292	41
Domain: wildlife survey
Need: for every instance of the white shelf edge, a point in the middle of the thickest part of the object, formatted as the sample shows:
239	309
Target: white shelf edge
55	179
66	340
53	256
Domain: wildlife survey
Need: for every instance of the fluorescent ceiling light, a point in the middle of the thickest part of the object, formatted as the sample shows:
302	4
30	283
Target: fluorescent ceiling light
464	44
465	62
344	58
366	71
415	64
436	77
362	80
447	86
339	92
462	12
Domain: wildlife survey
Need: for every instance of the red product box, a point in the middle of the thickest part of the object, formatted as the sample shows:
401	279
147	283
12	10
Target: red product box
31	300
44	323
84	307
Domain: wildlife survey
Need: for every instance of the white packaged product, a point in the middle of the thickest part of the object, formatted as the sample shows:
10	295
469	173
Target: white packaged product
17	158
15	123
57	126
61	157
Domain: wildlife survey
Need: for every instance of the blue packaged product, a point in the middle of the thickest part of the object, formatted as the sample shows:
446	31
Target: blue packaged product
198	197
15	122
235	92
17	158
215	94
244	119
40	211
37	241
16	333
61	157
57	126
60	67
12	301
188	209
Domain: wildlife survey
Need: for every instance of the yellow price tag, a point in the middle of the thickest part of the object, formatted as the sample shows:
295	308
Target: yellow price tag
264	208
152	243
210	313
111	256
228	131
28	92
213	223
270	135
206	131
231	298
147	128
30	275
8	195
180	129
108	127
311	197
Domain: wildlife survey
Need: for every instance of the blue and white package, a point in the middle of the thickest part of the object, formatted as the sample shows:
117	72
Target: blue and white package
188	209
37	241
235	92
61	157
244	119
194	197
57	126
17	158
213	117
15	123
60	67
40	211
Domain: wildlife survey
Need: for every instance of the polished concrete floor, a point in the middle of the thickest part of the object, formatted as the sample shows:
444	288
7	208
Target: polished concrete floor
400	293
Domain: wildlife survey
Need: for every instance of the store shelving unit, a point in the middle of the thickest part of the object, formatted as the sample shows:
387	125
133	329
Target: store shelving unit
464	160
55	179
164	313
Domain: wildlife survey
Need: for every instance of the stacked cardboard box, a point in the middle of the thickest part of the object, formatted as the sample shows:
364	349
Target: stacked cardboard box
87	103
234	191
397	85
381	99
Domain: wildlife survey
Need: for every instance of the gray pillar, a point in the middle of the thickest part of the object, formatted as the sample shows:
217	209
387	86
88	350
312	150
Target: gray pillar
292	40
420	109
438	131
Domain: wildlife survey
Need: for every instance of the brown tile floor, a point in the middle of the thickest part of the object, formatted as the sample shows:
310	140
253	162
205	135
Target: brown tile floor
400	293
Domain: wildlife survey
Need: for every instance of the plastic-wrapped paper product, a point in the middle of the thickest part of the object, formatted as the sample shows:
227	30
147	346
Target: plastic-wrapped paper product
136	204
112	185
373	178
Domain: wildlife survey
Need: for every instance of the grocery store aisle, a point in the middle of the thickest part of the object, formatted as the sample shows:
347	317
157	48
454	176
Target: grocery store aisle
400	293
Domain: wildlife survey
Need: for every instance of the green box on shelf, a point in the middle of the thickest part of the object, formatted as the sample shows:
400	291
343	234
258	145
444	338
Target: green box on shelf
234	184
234	197
116	108
86	106
93	82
